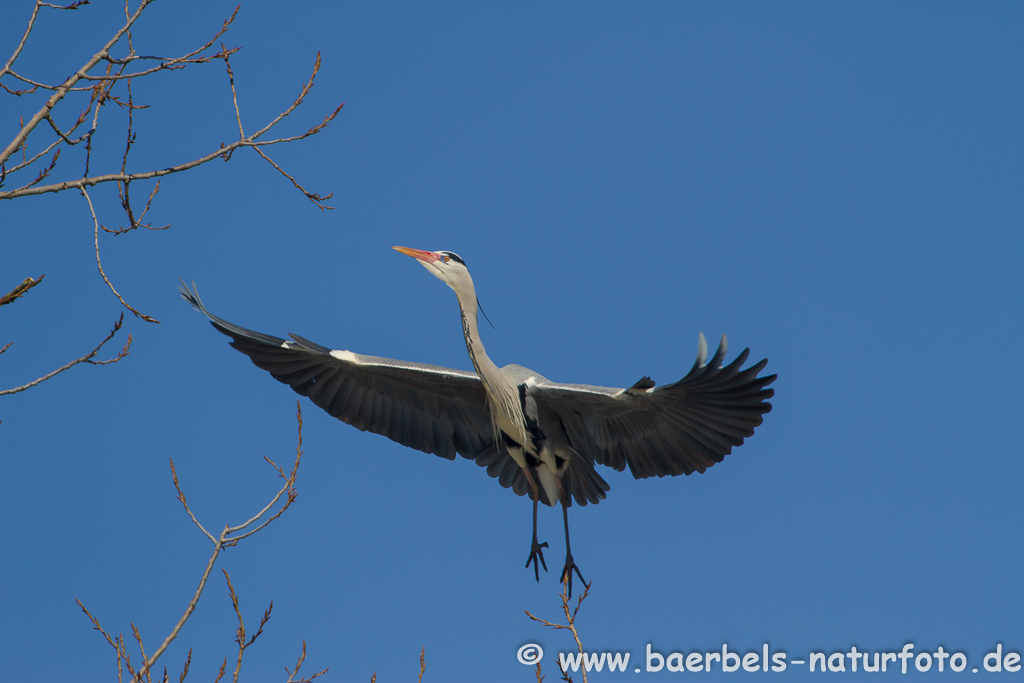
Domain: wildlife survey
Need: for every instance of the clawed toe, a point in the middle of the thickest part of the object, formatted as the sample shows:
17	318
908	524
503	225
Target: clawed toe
567	570
537	553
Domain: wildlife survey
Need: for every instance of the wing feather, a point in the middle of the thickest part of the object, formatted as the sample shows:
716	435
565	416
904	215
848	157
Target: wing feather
427	407
669	430
674	429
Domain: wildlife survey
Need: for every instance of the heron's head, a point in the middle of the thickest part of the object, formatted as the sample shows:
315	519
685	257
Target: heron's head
446	266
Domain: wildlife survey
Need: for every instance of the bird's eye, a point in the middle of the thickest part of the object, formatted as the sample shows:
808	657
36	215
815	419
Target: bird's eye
447	259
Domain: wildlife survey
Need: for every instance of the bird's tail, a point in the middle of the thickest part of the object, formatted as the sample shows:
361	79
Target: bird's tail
582	482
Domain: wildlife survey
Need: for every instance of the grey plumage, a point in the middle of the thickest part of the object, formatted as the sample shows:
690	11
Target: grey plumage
539	438
666	430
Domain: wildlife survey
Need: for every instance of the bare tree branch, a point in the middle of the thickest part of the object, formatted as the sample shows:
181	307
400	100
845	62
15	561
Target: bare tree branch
87	358
226	539
298	665
29	162
69	117
101	93
373	677
240	631
28	30
99	77
19	291
63	90
224	151
570	625
181	498
99	263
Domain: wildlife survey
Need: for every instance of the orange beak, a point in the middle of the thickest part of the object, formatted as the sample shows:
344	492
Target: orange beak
426	256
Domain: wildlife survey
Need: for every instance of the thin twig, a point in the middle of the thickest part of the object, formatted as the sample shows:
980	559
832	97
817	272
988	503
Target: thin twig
234	94
37	157
240	632
59	94
24	39
570	625
44	173
99	263
123	187
298	665
87	358
137	222
19	291
142	649
184	670
289	488
101	93
224	151
313	197
181	497
224	540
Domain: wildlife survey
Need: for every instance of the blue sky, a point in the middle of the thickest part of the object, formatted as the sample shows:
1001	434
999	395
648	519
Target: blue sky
835	185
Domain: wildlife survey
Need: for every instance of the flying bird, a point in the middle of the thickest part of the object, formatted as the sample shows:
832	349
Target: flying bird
539	438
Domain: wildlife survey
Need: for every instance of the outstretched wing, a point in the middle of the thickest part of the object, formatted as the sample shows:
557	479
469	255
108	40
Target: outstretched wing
427	407
662	431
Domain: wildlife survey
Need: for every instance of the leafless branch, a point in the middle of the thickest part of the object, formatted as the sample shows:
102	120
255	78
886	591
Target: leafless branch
87	358
123	187
224	151
102	84
570	625
28	30
99	263
107	78
181	498
44	172
226	539
135	223
240	631
29	162
64	88
184	669
298	665
234	94
373	677
99	76
313	197
19	291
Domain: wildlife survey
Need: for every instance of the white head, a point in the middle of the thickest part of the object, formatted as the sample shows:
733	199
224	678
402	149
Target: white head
446	266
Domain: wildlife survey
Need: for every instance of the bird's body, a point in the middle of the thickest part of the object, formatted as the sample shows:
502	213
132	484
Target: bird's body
535	436
512	409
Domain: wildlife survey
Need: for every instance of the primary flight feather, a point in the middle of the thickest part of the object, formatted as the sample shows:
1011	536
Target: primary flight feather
537	437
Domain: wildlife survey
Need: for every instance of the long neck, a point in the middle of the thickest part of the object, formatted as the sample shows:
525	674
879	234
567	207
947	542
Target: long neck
471	331
502	395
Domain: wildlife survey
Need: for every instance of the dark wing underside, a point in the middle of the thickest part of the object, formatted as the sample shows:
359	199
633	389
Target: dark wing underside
427	407
674	429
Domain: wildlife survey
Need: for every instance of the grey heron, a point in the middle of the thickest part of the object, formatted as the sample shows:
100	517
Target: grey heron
539	438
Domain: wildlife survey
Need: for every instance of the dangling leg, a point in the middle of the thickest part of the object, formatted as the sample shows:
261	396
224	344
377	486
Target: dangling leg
536	549
570	565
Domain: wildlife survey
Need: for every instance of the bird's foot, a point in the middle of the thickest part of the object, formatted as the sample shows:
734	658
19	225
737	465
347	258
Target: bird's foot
537	553
567	570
